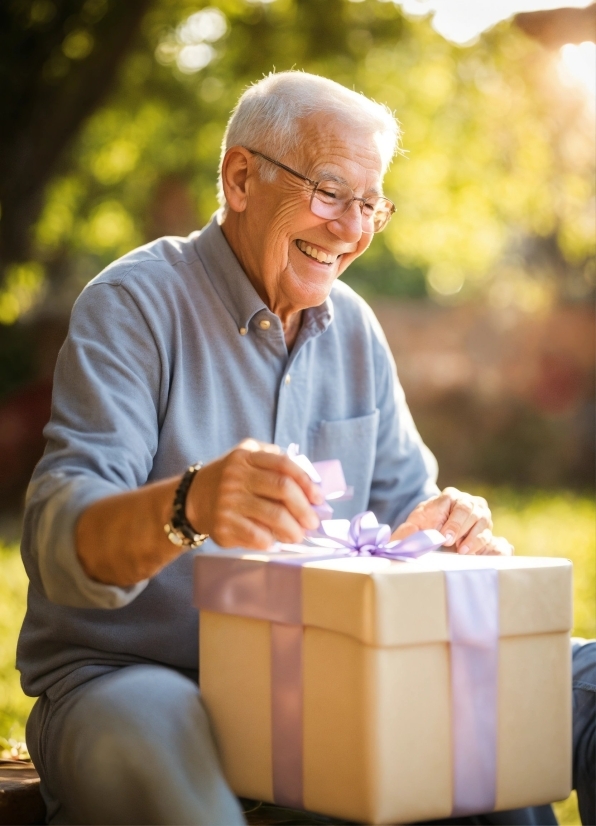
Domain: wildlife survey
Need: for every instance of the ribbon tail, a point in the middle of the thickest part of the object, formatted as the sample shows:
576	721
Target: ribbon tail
473	611
286	714
413	546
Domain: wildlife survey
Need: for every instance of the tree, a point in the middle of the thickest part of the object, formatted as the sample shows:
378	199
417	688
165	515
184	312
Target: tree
496	179
59	60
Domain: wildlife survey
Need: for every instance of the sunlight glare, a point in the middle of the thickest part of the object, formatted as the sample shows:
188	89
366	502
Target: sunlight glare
578	65
462	21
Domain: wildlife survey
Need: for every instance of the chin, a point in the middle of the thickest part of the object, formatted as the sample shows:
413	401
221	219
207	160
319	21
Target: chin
312	293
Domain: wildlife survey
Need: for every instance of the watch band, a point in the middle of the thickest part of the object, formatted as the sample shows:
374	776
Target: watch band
179	530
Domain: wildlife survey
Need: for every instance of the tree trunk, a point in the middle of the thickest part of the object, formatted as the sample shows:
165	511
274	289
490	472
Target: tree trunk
59	59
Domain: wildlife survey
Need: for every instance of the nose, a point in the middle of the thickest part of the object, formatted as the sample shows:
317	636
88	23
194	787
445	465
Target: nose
349	226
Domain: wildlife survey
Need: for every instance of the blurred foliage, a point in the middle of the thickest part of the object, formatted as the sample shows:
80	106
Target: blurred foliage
14	705
58	59
495	193
24	284
538	523
17	357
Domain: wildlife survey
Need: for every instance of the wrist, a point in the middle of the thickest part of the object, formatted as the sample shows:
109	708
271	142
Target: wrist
180	528
197	505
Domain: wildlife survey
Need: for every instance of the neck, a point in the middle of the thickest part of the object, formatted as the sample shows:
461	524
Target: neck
291	329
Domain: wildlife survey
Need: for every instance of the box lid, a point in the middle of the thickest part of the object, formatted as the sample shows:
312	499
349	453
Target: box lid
382	602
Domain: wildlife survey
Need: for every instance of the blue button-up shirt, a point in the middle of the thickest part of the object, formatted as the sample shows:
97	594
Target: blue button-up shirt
172	357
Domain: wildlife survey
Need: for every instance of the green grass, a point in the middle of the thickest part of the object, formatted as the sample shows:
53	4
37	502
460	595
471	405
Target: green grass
538	523
14	705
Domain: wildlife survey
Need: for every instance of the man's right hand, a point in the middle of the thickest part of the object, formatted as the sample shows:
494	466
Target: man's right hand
252	497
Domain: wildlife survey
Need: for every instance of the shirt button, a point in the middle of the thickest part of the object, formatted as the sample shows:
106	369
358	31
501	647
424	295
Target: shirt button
264	324
242	331
288	379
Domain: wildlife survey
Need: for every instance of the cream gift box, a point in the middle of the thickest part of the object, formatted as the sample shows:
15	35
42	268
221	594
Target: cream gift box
343	697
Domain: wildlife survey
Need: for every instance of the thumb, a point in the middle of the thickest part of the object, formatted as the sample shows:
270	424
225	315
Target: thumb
404	530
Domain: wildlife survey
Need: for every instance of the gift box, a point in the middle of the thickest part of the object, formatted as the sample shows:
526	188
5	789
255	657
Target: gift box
384	691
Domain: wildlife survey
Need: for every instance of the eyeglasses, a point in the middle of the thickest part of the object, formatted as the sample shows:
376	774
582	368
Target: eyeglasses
330	199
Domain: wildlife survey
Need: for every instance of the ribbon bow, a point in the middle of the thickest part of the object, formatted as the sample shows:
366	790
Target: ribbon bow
364	536
361	536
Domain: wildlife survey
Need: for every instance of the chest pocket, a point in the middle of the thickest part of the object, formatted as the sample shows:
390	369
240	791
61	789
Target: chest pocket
354	443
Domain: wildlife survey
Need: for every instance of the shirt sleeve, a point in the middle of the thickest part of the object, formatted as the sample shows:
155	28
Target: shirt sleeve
405	471
101	439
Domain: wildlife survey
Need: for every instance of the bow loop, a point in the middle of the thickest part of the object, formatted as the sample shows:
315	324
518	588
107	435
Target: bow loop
366	534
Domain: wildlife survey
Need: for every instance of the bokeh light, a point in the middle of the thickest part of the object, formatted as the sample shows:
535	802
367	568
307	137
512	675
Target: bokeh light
188	46
578	65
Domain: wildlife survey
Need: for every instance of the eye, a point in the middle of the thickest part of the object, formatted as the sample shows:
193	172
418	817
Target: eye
368	208
329	193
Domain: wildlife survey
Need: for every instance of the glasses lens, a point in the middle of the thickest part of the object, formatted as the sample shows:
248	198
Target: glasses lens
381	212
331	200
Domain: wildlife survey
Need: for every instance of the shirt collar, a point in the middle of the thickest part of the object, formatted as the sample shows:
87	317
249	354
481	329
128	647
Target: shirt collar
227	276
233	285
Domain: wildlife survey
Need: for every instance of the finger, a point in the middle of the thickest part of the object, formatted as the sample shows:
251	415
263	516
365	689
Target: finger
276	518
237	531
282	464
498	546
404	530
431	513
466	512
280	488
473	536
476	541
253	445
459	517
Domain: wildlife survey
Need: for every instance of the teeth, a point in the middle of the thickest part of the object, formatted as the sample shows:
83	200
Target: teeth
319	255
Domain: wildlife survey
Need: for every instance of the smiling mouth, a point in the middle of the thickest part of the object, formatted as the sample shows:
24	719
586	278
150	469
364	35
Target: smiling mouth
316	254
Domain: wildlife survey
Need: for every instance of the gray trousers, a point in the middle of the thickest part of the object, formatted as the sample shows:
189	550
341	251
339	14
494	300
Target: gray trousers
131	747
134	747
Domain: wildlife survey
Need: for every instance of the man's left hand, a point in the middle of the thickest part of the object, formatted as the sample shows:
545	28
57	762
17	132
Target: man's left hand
464	520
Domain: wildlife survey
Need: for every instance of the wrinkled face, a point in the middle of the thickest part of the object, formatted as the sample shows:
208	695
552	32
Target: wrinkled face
292	256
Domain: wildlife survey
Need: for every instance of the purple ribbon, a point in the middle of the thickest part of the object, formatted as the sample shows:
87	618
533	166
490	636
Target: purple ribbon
473	612
286	714
328	474
364	536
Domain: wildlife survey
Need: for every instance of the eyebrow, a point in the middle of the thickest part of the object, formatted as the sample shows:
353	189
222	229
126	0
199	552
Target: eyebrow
324	175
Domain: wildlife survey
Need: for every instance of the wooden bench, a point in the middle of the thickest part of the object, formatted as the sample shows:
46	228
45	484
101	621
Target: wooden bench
21	803
20	800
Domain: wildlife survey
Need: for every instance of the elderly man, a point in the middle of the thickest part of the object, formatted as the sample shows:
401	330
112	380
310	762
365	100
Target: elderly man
218	349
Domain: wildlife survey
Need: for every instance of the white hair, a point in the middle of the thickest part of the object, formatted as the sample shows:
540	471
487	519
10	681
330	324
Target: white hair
268	114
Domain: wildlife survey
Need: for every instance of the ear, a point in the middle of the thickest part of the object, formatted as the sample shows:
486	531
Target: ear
234	176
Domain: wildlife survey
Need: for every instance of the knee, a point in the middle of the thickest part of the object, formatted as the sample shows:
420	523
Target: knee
135	711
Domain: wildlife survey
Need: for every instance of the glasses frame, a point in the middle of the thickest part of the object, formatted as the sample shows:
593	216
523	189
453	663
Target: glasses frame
316	184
